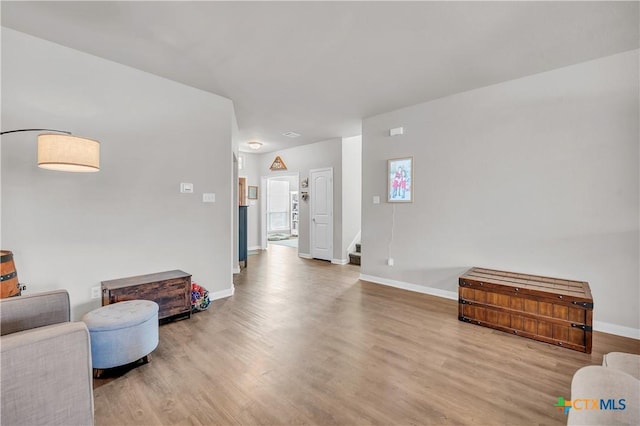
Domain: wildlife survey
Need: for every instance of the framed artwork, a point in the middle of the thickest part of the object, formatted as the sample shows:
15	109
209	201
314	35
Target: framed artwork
253	193
400	180
278	164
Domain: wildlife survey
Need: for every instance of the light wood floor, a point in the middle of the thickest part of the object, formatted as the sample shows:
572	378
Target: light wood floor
306	342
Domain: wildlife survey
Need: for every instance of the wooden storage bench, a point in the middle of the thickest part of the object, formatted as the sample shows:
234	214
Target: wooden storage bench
171	290
550	310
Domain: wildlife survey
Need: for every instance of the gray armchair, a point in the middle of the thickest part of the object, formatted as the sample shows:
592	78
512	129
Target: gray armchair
46	375
615	387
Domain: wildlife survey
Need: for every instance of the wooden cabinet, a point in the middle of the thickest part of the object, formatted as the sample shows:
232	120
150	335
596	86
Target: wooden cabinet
242	237
551	310
171	290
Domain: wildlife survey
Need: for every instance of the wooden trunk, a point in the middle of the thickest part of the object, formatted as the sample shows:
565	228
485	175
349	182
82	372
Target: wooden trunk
171	290
550	310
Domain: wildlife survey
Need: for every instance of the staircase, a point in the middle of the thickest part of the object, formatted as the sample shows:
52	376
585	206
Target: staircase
354	257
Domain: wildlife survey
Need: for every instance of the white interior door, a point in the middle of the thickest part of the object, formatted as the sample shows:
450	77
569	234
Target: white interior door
321	205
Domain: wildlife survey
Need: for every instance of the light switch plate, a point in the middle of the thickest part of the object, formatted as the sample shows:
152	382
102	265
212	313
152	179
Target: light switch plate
186	188
376	199
208	197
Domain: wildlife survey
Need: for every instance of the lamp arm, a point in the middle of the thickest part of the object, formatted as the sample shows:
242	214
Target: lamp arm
35	130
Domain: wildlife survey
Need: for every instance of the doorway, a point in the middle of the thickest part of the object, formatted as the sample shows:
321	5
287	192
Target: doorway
280	210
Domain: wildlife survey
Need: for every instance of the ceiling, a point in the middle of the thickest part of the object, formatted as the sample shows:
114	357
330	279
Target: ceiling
319	68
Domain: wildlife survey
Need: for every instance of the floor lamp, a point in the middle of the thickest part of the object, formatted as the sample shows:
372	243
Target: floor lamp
64	152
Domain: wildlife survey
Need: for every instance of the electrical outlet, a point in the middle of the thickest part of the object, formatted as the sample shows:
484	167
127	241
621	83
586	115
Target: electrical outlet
95	292
390	261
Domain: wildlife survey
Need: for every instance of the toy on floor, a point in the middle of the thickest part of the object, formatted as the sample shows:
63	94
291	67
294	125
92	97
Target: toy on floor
199	298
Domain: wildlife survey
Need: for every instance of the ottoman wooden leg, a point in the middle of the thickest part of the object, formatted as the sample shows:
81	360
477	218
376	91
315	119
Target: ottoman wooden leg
97	372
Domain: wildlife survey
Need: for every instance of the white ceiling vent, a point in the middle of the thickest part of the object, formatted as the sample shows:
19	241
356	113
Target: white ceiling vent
291	134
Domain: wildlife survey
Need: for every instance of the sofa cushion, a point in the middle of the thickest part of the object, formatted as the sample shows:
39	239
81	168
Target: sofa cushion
34	310
619	391
46	376
627	363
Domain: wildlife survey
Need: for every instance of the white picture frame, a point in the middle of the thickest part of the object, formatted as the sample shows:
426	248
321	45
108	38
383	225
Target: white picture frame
400	180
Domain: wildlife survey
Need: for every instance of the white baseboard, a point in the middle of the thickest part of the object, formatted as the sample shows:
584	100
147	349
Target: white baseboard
254	248
236	269
411	287
222	293
334	261
618	330
604	327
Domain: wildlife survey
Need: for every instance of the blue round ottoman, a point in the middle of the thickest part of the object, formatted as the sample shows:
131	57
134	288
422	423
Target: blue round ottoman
122	333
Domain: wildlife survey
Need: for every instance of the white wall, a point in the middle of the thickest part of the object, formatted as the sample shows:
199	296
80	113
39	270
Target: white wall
233	203
351	191
250	172
74	230
536	175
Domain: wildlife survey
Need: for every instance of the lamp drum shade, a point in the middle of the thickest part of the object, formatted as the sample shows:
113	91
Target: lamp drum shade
68	153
